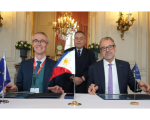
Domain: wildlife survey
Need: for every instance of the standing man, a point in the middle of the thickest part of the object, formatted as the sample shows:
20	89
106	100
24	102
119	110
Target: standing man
110	75
34	74
83	59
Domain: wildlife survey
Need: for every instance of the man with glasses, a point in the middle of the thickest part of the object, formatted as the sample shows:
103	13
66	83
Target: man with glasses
110	75
34	74
83	59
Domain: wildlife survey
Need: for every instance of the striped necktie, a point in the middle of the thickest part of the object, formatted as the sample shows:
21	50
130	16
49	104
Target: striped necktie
79	53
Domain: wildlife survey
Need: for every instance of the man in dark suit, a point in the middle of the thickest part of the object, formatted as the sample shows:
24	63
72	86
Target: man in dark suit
110	75
83	59
34	74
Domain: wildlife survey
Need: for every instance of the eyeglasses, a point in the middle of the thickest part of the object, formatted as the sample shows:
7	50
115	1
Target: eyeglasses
41	41
110	47
77	38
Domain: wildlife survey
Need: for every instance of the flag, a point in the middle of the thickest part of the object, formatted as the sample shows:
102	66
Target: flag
4	74
66	64
136	71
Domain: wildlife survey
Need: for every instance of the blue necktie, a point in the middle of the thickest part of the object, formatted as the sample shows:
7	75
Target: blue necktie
38	65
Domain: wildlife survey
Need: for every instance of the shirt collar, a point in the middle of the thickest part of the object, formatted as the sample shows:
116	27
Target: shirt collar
106	62
40	60
80	50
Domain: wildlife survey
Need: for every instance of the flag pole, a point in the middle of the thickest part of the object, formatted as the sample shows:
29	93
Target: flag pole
4	78
74	103
134	103
74	87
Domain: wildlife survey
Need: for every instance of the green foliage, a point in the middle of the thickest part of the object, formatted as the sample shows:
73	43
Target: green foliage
23	45
94	47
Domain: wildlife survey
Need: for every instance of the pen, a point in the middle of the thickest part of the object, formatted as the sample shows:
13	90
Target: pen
94	86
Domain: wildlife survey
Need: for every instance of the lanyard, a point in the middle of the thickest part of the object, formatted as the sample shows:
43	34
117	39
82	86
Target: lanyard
35	76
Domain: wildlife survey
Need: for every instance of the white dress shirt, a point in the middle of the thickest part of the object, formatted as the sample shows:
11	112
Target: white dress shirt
80	50
114	74
39	60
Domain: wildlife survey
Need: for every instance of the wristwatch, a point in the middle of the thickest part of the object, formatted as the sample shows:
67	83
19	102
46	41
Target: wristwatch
138	88
71	79
82	79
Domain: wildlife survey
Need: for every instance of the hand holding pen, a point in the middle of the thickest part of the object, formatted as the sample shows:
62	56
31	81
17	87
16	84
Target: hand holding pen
92	89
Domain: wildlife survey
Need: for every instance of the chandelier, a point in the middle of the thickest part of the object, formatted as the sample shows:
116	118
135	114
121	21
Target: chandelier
65	26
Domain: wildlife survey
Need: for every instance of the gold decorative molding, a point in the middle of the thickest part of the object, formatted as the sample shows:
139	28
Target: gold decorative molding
149	46
25	25
32	54
92	25
95	27
89	27
93	14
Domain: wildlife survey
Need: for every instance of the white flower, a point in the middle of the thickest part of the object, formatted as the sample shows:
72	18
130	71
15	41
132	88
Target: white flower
19	45
16	44
97	47
25	45
30	47
91	46
21	42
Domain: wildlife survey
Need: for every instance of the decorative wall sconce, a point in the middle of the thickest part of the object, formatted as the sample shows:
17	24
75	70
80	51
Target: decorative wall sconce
0	20
124	23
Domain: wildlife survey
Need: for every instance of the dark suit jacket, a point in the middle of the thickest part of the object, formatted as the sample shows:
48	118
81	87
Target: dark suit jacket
25	73
125	76
82	65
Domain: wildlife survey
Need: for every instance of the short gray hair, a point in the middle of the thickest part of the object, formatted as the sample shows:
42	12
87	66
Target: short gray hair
42	33
106	38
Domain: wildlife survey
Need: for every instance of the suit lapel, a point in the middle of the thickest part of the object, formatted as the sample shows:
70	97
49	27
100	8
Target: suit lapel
119	73
47	73
80	60
30	74
101	75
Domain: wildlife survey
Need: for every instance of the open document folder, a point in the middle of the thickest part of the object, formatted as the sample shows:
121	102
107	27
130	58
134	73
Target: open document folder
124	96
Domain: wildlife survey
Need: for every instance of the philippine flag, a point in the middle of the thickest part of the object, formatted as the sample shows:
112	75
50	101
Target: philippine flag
66	64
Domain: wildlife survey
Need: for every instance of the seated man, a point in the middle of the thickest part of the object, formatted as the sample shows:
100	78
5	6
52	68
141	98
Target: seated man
110	75
35	73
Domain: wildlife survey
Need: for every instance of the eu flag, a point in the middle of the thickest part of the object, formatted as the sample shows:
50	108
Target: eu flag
136	71
4	75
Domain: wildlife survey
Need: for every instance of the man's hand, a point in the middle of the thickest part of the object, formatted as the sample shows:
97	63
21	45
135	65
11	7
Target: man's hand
92	89
144	87
56	89
9	88
77	81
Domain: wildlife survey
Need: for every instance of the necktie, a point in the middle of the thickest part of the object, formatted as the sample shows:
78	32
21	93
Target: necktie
78	53
110	81
38	65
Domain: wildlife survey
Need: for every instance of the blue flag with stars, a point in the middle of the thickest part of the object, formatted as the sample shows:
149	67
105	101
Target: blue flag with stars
136	71
4	74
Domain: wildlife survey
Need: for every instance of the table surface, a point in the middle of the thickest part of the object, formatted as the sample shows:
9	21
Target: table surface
87	101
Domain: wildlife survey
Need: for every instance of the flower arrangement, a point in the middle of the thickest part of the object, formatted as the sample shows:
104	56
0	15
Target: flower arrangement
23	45
94	47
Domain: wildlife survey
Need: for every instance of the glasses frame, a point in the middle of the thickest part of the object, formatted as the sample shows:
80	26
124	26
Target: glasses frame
79	38
39	41
109	47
